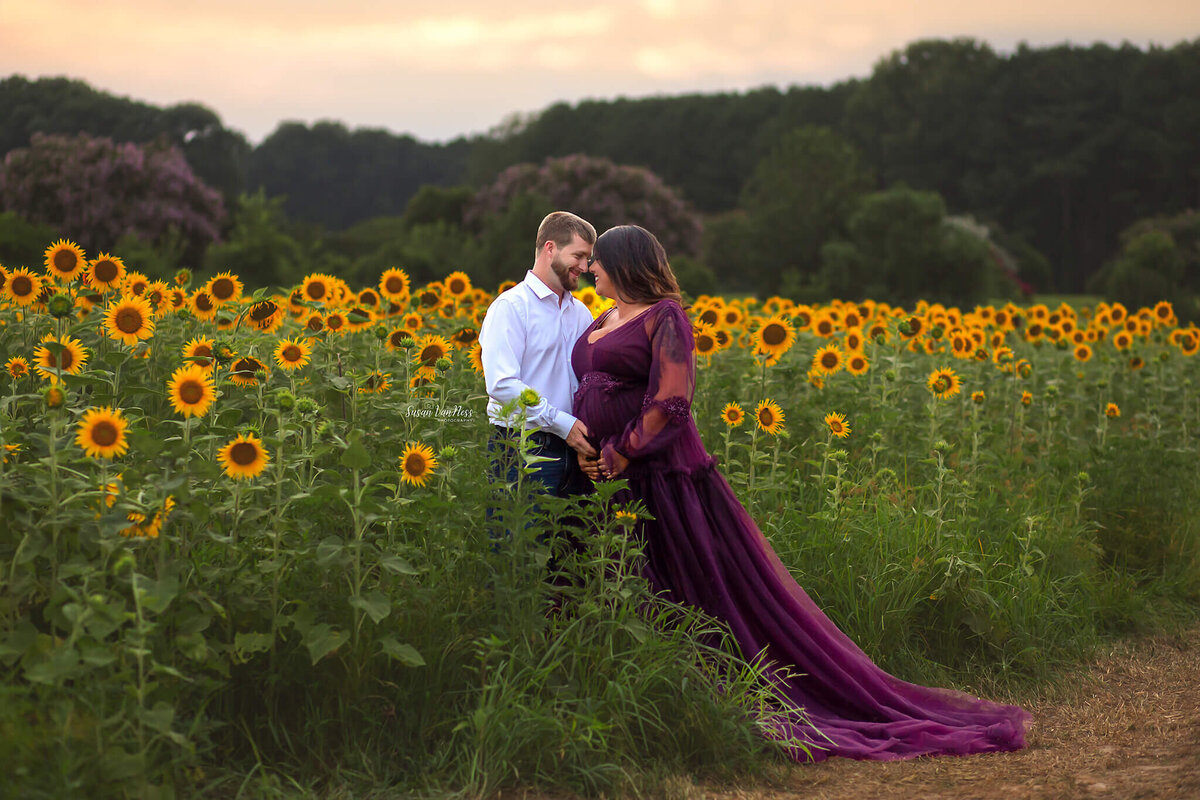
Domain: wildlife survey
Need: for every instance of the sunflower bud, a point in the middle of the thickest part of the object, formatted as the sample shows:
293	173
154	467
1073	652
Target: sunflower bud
60	306
183	276
905	328
54	396
306	405
443	364
890	375
529	397
937	331
380	332
285	399
448	453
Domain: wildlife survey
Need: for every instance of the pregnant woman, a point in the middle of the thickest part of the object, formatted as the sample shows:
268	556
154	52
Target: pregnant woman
636	368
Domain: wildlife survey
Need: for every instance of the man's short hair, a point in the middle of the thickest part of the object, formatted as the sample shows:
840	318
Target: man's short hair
560	227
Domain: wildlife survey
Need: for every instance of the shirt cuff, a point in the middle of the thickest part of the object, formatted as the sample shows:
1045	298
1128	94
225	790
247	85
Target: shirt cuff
562	424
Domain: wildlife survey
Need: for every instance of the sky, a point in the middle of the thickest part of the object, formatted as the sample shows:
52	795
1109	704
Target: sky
438	70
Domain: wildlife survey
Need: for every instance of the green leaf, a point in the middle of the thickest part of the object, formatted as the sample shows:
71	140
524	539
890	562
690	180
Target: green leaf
321	640
374	603
156	596
397	565
96	654
355	455
248	643
406	654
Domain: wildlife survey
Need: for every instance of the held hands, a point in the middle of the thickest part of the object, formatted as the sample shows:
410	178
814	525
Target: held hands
598	470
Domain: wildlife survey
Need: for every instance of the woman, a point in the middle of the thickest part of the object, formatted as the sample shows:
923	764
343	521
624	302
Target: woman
636	368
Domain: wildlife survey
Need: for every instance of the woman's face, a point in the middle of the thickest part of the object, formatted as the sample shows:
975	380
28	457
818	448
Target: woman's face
604	285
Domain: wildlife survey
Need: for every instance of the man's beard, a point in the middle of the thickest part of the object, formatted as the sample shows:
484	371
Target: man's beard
563	273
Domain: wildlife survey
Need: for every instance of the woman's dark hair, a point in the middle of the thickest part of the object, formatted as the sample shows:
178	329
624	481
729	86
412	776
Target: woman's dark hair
637	264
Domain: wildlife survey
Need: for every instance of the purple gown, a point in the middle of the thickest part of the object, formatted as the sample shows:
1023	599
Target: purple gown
702	548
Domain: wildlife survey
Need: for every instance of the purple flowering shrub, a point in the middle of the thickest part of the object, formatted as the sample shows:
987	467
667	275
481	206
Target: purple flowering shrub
600	191
95	191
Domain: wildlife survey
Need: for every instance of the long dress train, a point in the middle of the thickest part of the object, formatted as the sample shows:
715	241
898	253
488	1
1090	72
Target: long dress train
702	548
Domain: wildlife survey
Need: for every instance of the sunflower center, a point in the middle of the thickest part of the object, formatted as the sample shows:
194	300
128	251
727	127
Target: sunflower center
191	392
415	464
314	324
709	317
431	354
334	322
829	360
202	355
21	286
223	288
137	287
292	353
704	343
104	433
394	285
372	381
263	311
413	323
941	384
128	320
106	271
774	335
243	454
65	261
204	302
766	418
429	299
825	327
835	426
456	287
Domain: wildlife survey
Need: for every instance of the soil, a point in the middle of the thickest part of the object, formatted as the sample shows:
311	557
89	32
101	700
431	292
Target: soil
1126	727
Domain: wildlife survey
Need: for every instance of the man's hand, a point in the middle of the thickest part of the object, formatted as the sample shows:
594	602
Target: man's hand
589	466
577	438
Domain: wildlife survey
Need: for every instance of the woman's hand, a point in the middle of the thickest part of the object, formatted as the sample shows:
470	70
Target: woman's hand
589	466
612	463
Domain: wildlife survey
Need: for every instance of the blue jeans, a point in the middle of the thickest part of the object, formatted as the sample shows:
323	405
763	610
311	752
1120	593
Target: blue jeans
549	477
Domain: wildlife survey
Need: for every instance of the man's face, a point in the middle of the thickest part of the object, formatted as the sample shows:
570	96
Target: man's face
570	262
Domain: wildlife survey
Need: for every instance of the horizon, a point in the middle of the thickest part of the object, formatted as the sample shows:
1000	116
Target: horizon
464	69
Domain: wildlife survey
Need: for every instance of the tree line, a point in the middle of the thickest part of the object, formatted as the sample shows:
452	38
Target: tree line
1062	156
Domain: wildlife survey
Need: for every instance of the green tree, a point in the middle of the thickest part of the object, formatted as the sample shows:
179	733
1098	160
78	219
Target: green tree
258	248
900	247
797	199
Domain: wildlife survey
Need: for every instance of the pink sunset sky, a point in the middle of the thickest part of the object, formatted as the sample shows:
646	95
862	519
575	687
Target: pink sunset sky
438	70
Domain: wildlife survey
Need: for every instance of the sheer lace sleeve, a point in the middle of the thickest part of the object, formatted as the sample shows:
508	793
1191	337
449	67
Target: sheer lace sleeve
667	406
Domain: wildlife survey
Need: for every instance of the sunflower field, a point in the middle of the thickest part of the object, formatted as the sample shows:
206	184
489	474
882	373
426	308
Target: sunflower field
248	539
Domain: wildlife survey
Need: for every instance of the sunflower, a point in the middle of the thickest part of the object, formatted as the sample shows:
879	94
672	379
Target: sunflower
101	432
396	339
837	425
769	417
417	464
828	359
202	305
709	315
823	325
376	382
1026	398
854	340
429	349
135	283
191	390
129	320
105	273
413	322
368	298
335	322
1136	363
244	457
17	366
65	261
1112	411
857	364
505	286
317	288
1163	312
733	415
200	352
465	337
458	285
773	339
313	323
394	285
626	518
292	353
244	371
23	287
1122	340
430	297
1083	352
977	397
1189	343
476	357
60	355
265	316
911	327
705	337
944	383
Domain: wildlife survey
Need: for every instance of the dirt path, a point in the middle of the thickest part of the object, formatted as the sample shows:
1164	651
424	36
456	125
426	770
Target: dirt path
1130	728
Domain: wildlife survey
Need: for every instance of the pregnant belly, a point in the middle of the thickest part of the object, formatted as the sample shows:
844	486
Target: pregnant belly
606	404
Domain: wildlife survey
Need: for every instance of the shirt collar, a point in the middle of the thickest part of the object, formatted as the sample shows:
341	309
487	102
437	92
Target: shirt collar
539	287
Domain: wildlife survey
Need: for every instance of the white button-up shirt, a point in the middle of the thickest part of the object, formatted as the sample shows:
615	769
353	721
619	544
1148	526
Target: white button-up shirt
526	341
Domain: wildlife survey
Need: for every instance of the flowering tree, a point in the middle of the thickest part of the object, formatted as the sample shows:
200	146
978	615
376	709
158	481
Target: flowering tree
95	191
600	191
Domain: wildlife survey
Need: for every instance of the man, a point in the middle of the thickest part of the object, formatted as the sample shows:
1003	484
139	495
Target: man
526	341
